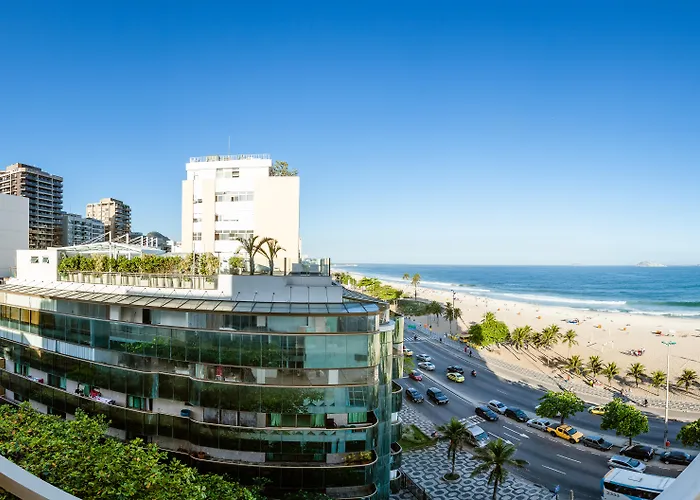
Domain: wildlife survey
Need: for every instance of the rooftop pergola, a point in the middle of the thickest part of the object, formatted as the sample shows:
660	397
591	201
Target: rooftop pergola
110	248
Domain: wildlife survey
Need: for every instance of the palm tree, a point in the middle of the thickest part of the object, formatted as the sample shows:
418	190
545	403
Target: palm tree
406	276
611	371
434	308
270	251
548	338
519	337
449	313
569	339
687	378
456	433
489	317
414	281
574	364
457	315
251	245
595	365
637	371
495	456
658	378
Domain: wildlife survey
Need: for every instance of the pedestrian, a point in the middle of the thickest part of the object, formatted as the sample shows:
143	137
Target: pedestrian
465	349
441	340
470	353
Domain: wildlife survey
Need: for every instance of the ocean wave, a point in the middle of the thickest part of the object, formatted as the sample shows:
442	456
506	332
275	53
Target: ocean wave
563	300
679	304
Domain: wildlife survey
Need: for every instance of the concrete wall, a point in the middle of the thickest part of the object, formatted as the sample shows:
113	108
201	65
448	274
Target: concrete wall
277	215
187	215
40	265
14	230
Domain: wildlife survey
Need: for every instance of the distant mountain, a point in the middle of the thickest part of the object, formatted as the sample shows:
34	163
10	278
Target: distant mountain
646	263
156	234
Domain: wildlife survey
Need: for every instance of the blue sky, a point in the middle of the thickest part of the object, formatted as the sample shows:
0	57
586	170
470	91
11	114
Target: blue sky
447	133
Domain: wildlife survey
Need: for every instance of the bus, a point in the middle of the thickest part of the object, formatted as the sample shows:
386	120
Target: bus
619	484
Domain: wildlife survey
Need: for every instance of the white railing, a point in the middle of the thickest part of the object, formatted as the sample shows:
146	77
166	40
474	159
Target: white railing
259	156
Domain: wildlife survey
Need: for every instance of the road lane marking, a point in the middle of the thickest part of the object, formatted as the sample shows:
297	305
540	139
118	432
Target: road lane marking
517	432
555	470
567	458
511	436
502	392
499	437
431	404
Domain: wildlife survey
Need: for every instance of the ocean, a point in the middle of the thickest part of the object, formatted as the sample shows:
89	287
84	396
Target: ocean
661	291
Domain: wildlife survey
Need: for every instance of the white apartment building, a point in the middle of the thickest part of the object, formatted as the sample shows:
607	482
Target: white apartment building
228	196
14	230
77	230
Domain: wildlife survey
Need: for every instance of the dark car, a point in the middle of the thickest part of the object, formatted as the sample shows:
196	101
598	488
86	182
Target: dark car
416	375
437	396
486	413
455	369
638	451
414	395
516	414
597	442
676	457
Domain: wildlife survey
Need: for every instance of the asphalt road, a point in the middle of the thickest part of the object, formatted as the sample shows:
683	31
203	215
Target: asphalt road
552	461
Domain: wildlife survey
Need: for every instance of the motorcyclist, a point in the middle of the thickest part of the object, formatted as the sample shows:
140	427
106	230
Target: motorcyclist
473	373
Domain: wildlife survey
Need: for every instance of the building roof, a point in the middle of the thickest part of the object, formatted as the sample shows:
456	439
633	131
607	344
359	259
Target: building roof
176	299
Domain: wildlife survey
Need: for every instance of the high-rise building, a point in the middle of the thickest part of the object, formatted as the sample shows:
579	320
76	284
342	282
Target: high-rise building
45	194
14	231
230	196
77	230
114	214
283	377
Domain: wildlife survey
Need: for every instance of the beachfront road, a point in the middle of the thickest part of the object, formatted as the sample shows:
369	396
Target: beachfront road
552	461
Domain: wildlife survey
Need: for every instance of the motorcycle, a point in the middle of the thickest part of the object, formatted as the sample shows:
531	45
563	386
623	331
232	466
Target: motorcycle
473	373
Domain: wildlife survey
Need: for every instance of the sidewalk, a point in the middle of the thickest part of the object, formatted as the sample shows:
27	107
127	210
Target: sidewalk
427	466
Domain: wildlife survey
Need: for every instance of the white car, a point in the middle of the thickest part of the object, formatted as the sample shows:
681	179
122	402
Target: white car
540	424
497	406
424	357
627	463
426	366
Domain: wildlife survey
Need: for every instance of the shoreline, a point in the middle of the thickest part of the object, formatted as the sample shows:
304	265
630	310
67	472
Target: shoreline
609	335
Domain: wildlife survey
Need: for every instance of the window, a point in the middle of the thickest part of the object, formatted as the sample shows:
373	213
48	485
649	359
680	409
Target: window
231	234
136	402
197	219
234	196
196	236
357	418
227	173
56	381
22	368
224	218
197	200
19	398
35	259
45	260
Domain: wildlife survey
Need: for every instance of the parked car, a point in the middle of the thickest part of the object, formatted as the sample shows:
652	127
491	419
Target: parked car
541	424
676	457
407	352
437	396
476	436
426	366
497	406
455	377
627	463
567	432
455	369
597	442
415	375
486	413
414	395
639	451
597	410
516	414
424	357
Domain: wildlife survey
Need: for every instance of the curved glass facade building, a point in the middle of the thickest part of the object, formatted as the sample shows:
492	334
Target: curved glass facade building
287	378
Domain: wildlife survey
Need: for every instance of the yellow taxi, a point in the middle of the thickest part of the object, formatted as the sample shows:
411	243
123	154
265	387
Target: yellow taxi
455	377
407	352
567	432
597	410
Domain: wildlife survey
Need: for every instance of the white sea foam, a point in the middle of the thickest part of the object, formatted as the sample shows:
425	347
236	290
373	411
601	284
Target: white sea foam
562	300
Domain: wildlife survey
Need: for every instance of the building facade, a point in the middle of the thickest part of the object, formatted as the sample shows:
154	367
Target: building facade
77	230
45	194
114	214
225	197
14	231
283	377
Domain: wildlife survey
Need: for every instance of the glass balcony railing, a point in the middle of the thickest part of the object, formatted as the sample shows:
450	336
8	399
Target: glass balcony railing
396	397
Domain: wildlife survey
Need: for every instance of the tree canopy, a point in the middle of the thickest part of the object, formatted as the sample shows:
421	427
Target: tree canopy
489	331
624	419
281	169
689	434
77	457
561	405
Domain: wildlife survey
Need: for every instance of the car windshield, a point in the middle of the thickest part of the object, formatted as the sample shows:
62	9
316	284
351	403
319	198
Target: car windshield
482	437
633	462
571	431
520	413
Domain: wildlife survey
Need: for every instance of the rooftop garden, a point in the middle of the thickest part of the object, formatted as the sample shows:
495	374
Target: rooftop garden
205	264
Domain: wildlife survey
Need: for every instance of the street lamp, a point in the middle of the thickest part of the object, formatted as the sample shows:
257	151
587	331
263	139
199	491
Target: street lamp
453	308
668	345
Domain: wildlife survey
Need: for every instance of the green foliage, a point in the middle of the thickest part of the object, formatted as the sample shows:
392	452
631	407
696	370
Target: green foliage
455	432
549	337
412	308
251	245
452	313
345	279
574	364
562	405
206	264
689	434
412	437
624	419
270	250
495	457
636	371
658	378
435	309
595	365
520	336
281	169
375	288
415	280
489	331
611	371
687	378
235	262
569	339
76	456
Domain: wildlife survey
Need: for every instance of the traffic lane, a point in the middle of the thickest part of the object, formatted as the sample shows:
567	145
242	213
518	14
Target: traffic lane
487	385
549	463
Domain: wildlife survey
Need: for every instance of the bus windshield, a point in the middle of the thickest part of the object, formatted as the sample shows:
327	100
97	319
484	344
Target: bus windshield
628	485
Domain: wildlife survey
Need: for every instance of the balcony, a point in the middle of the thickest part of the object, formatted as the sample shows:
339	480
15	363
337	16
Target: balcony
396	397
396	428
396	454
368	492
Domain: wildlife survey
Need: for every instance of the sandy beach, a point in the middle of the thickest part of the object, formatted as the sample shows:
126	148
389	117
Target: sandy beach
608	335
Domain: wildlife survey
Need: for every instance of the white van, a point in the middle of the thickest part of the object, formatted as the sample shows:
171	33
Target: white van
476	436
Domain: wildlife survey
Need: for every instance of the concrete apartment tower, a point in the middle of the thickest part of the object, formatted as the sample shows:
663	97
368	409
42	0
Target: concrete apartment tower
228	196
45	194
114	214
77	230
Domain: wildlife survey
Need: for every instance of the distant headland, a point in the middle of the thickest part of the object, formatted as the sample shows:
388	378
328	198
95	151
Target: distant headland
646	263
